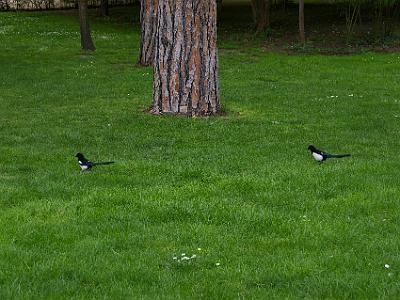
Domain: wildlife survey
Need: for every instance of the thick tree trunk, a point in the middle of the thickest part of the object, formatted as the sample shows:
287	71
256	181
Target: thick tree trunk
301	22
186	60
148	21
86	38
261	14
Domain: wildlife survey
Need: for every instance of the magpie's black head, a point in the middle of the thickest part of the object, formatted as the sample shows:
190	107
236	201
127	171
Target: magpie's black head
312	148
79	156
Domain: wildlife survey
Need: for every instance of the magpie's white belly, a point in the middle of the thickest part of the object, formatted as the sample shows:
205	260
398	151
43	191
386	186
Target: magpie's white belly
83	167
317	156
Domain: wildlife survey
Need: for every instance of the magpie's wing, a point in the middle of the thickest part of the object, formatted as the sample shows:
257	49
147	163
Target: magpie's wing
326	154
319	152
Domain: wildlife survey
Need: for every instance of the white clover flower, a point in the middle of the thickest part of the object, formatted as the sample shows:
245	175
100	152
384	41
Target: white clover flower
217	264
198	249
185	258
183	254
174	258
193	256
387	266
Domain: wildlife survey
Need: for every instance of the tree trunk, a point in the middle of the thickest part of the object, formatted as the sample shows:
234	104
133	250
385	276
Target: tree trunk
148	21
261	14
104	8
86	38
301	22
186	60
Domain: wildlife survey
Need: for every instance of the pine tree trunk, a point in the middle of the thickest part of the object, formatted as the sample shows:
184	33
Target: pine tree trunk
301	22
148	20
186	60
86	38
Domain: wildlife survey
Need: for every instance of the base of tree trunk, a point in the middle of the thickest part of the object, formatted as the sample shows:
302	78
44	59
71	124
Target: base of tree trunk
156	112
186	61
86	37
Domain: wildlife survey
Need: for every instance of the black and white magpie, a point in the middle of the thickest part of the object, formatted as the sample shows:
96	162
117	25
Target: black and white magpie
321	156
86	164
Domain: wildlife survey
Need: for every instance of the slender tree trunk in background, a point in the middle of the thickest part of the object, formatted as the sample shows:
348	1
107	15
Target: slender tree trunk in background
86	38
186	60
301	22
148	21
104	8
261	14
353	15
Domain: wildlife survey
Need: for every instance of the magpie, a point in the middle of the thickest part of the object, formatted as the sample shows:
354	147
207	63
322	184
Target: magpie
321	156
86	164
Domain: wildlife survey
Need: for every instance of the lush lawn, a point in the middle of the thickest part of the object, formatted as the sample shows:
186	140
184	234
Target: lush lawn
242	188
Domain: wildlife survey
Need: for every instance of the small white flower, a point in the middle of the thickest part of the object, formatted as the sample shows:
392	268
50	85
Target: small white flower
217	264
185	258
193	256
387	266
198	249
174	258
108	124
351	95
183	254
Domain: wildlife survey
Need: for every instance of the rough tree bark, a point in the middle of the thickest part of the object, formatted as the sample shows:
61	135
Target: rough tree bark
148	21
86	38
261	14
301	22
186	60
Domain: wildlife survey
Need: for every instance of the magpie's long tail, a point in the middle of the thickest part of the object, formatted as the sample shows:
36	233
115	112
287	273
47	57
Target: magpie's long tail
338	155
103	163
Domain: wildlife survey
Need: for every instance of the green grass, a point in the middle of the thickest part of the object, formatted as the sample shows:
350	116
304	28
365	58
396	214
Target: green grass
241	187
